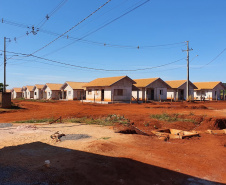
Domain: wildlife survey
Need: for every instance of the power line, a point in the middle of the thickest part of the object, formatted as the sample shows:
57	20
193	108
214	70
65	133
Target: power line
90	68
105	44
214	58
44	20
72	27
101	27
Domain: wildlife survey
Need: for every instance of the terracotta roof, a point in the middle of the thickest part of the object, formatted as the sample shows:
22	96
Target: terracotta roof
76	85
29	87
103	82
8	90
174	84
17	89
54	87
39	86
144	82
208	85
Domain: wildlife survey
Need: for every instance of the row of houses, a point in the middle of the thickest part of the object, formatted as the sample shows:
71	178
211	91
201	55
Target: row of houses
122	88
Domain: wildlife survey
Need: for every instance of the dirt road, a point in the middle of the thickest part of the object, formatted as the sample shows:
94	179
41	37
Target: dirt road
105	157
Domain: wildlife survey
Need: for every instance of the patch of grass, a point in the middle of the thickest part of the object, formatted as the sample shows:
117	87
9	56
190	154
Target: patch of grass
36	120
105	121
170	118
105	138
33	100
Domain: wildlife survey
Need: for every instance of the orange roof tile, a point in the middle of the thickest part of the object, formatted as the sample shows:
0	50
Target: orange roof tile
77	85
144	82
174	84
208	85
17	89
39	86
54	87
103	82
29	87
8	90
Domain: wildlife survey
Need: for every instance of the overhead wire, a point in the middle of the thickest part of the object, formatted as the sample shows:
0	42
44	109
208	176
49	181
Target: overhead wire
72	27
105	44
213	59
91	68
124	14
44	20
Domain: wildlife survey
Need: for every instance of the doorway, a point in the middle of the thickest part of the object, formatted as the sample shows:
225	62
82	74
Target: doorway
102	94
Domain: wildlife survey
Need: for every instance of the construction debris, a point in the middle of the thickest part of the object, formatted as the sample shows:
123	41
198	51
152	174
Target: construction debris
58	119
174	134
57	135
216	131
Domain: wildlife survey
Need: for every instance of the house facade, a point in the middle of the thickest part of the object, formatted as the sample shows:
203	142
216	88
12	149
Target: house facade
73	91
110	89
209	90
52	91
23	90
38	92
178	90
16	93
29	92
150	89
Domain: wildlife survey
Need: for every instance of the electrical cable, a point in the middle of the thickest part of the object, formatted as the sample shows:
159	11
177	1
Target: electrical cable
44	20
213	59
91	68
72	27
101	27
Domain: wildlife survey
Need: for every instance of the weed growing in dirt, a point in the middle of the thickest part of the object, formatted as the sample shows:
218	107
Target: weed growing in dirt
36	120
105	121
33	100
170	118
105	138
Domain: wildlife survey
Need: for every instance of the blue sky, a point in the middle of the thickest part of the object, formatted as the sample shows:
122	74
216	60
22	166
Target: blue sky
158	22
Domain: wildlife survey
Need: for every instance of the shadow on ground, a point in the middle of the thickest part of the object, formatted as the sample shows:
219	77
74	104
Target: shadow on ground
24	164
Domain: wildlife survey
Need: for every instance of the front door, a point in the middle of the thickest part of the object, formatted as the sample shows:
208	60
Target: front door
152	94
102	94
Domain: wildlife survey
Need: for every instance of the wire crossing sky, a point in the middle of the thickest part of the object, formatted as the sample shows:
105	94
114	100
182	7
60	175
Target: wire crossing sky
119	38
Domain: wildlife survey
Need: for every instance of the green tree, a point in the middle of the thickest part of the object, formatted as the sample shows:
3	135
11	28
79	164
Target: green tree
1	87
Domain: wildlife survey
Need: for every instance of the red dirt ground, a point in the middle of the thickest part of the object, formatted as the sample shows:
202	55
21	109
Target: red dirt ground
203	157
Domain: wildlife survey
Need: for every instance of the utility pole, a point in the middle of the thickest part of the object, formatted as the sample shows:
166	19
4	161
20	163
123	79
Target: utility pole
188	49
4	86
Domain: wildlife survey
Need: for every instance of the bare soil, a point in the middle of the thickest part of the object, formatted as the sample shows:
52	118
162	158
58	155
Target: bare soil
106	157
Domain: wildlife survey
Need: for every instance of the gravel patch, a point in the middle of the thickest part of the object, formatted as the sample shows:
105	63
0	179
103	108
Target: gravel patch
4	125
74	137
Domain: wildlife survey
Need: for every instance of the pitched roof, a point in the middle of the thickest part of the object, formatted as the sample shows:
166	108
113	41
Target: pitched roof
53	87
75	85
174	84
144	82
103	82
17	89
29	87
208	85
8	90
39	86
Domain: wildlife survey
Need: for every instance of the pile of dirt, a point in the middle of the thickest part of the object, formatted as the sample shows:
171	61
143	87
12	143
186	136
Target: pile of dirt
212	124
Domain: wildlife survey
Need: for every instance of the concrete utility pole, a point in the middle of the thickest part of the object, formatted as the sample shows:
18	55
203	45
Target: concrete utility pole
187	97
4	86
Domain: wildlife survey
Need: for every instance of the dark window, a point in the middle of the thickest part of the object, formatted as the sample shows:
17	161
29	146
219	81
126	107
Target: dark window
118	92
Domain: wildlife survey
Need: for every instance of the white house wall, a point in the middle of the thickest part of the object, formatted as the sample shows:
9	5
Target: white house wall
124	84
38	94
156	86
173	92
209	94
